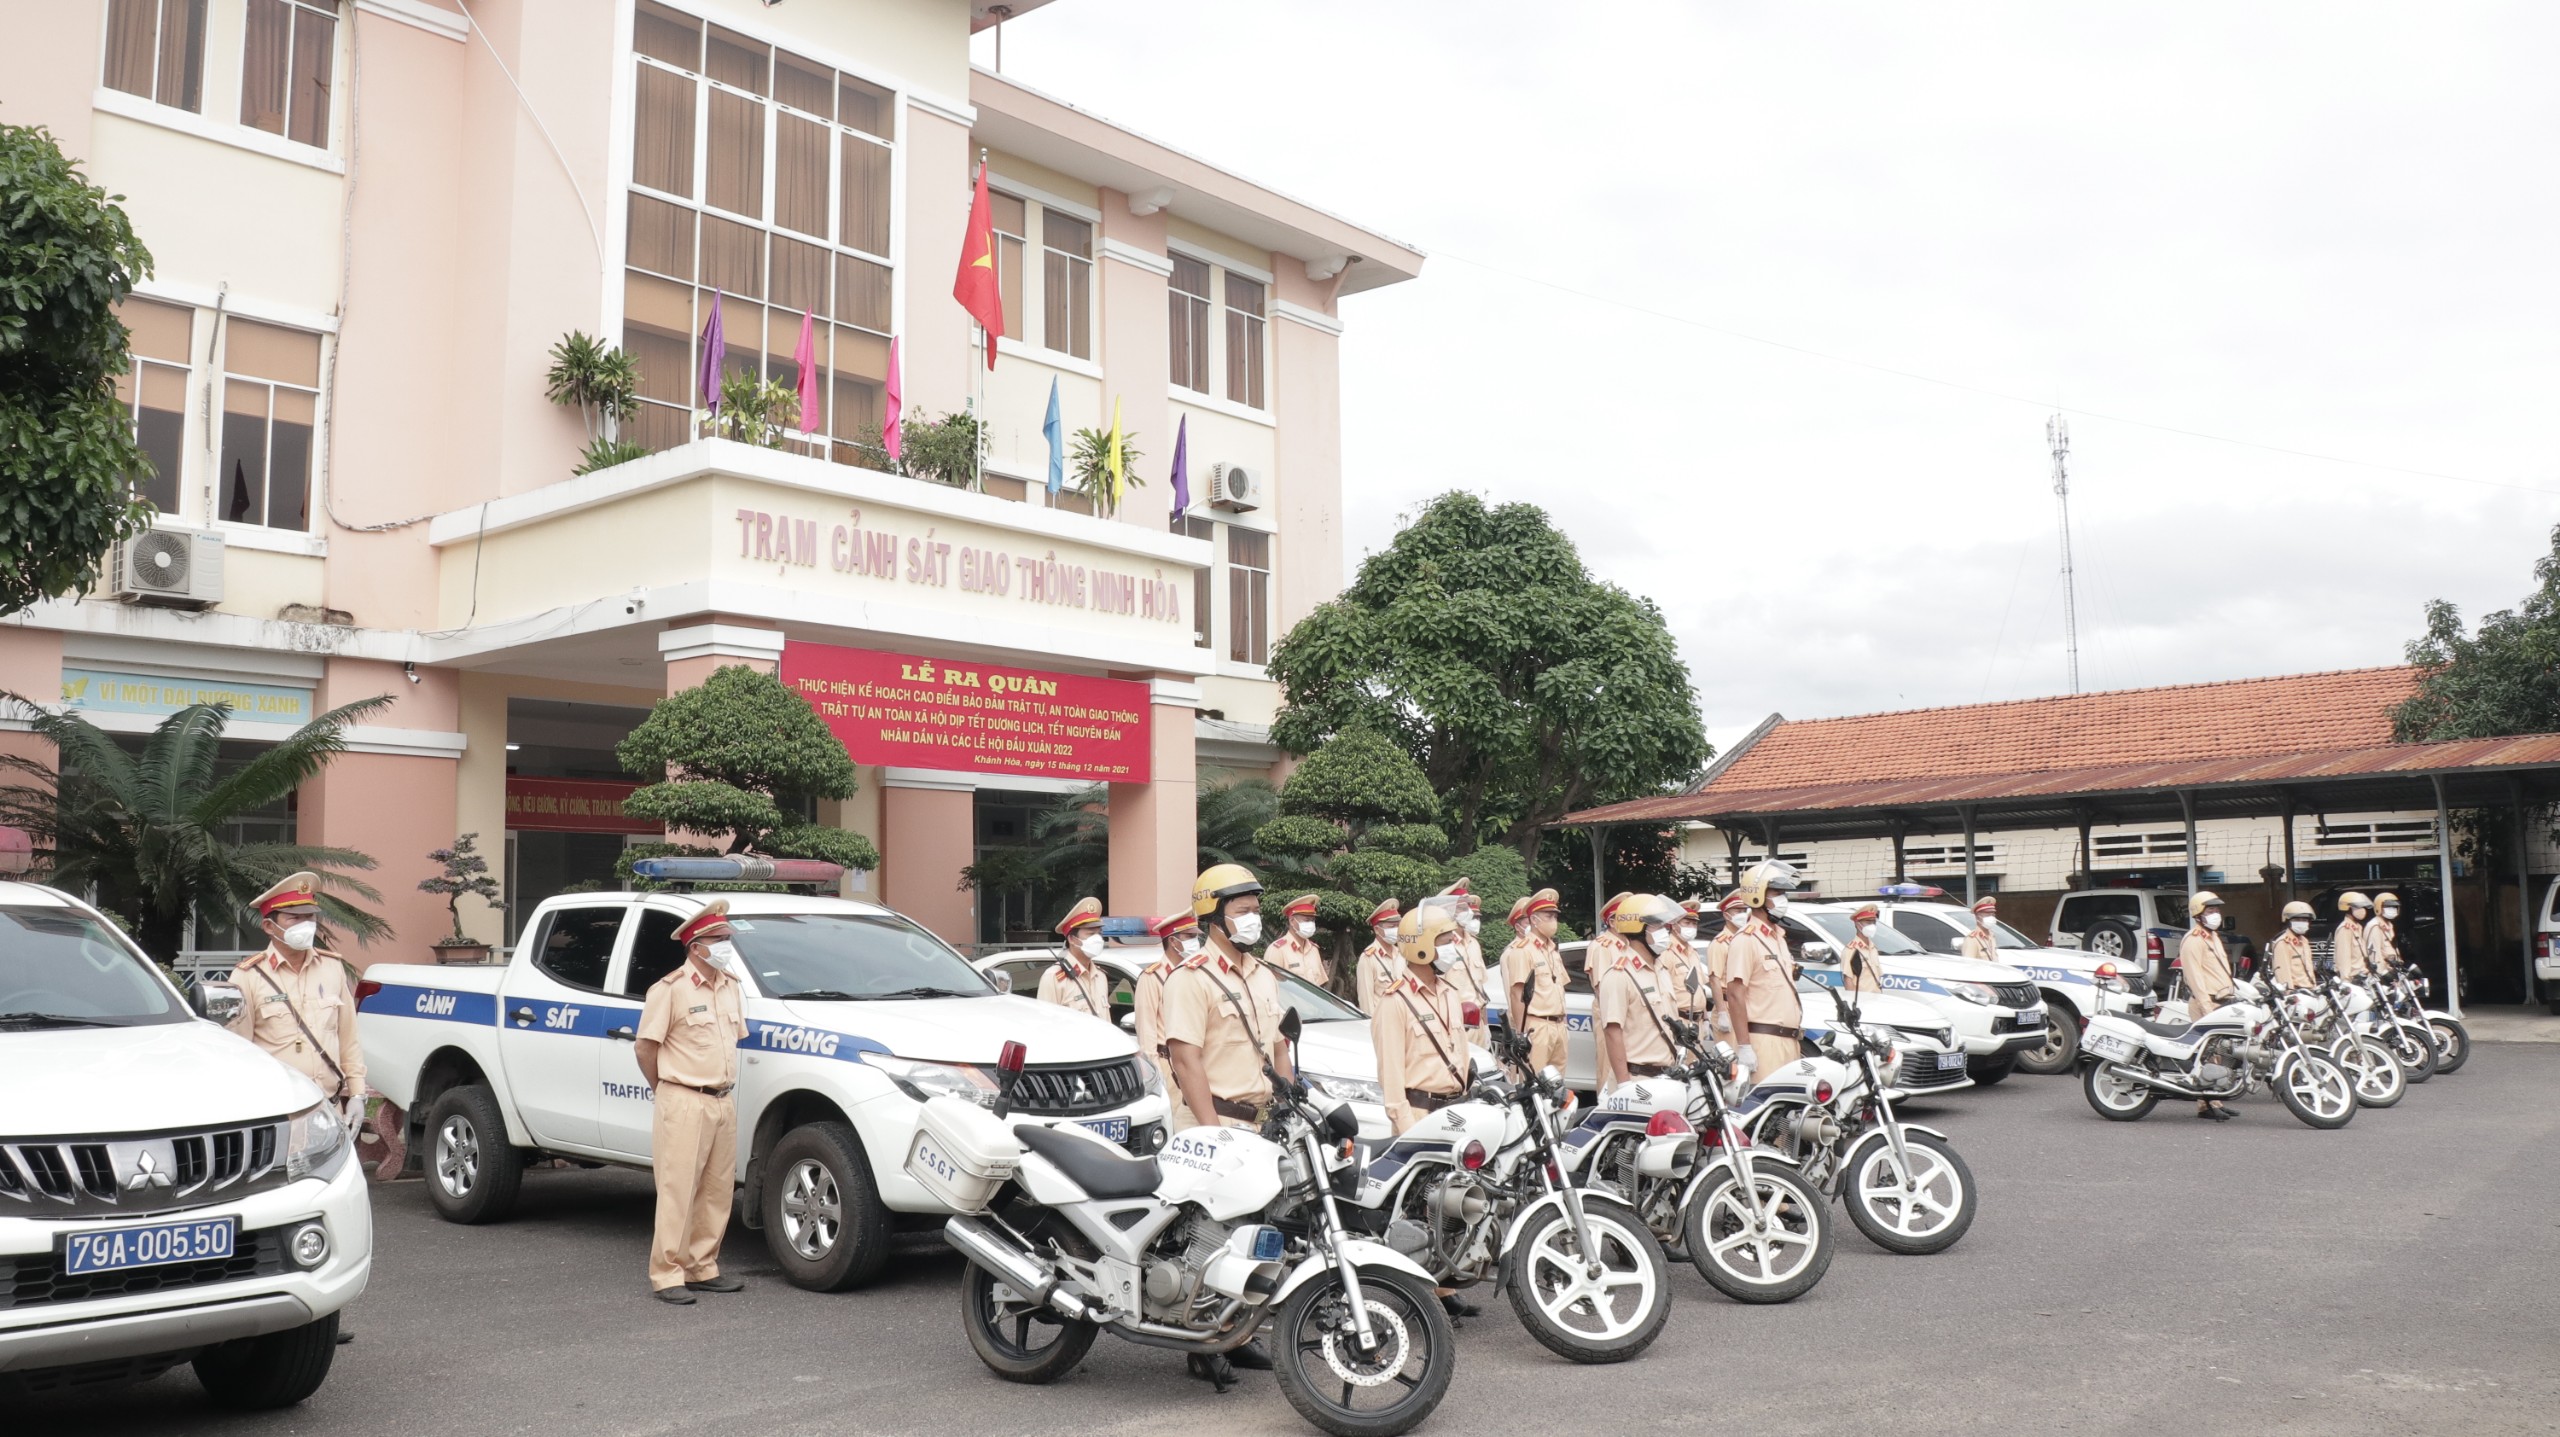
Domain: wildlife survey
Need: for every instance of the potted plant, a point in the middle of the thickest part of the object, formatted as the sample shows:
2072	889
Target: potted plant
465	872
602	383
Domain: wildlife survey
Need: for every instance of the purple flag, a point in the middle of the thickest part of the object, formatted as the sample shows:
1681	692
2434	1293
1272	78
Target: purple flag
1181	466
715	355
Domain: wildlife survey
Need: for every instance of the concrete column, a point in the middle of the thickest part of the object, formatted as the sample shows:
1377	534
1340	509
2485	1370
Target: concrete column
391	795
694	651
1155	826
2444	887
928	833
31	668
480	791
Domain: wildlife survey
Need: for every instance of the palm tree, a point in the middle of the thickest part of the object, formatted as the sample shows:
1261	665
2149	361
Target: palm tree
143	831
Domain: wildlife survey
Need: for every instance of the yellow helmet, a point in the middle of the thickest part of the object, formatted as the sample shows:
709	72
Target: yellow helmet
2348	902
1763	879
1641	911
1218	883
2298	910
2380	899
1418	933
2204	898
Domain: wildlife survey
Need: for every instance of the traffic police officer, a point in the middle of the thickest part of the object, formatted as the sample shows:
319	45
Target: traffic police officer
295	1000
1222	1008
1760	982
687	1047
2208	974
1534	979
1860	967
1979	941
1420	1032
2382	935
1295	949
1377	964
1179	933
1735	911
1077	982
1631	1013
2346	943
2289	957
1468	977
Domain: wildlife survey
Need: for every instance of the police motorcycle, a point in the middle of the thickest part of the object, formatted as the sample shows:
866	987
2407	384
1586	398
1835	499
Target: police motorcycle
1903	1184
1675	1148
1476	1191
1225	1233
2128	1062
2404	991
2347	1027
2410	1036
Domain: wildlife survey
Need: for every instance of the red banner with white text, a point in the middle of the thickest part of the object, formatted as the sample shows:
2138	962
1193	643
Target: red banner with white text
973	717
572	805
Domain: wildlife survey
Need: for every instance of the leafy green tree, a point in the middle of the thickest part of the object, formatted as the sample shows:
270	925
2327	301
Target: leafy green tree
597	378
2503	678
737	758
145	831
68	457
1069	853
1355	828
462	873
1525	689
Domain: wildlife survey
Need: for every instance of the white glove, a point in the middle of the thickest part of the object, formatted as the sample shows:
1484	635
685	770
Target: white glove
1746	1063
353	1108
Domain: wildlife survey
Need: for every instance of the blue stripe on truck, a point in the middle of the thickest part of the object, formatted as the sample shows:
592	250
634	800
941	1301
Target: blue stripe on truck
399	1000
585	1019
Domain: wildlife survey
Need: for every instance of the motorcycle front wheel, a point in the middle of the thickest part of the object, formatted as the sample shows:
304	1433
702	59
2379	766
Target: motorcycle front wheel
1349	1392
2315	1089
1925	1215
2117	1098
1019	1340
1776	1263
2415	1047
1574	1313
2371	1066
2453	1043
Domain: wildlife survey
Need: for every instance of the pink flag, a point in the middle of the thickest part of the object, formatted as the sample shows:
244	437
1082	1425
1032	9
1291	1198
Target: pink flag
805	359
889	436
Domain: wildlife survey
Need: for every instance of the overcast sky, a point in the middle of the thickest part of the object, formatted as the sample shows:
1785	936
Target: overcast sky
2318	227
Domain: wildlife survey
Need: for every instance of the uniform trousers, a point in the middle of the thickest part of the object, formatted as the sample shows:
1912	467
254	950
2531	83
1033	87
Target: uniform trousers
1546	1043
693	1154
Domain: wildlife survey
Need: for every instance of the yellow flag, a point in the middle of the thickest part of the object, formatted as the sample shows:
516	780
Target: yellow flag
1115	469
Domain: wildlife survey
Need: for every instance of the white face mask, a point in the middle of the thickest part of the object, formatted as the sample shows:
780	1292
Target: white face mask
1688	932
2300	925
1658	939
1304	927
1186	948
2213	920
1246	929
299	936
2391	912
1446	956
1982	921
1090	945
722	955
1777	904
1866	930
1473	923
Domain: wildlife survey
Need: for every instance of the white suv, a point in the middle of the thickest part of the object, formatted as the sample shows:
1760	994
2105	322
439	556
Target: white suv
2067	977
168	1193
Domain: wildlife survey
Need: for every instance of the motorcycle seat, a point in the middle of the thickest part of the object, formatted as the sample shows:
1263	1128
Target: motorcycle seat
1095	1168
2159	1029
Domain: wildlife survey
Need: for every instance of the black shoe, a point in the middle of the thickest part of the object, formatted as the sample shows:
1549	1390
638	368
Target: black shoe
718	1284
676	1295
1211	1368
1252	1357
2216	1113
1457	1306
345	1337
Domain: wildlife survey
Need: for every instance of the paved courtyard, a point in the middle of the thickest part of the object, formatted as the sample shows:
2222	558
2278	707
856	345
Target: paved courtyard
2400	1275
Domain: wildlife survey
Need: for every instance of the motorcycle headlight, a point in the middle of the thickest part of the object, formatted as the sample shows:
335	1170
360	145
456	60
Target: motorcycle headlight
1348	1090
315	1142
921	1080
1972	992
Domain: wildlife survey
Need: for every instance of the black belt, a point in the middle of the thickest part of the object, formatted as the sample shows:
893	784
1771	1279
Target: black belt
1647	1070
724	1090
1774	1031
1535	1018
1236	1108
1428	1102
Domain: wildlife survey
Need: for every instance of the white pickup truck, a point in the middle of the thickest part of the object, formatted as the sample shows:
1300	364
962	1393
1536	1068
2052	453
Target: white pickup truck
855	1016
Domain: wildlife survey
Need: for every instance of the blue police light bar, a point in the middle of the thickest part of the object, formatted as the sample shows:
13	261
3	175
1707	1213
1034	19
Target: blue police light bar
1909	890
745	868
1124	927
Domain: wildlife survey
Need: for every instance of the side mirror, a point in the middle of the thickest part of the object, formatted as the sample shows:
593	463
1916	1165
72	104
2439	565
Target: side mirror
1291	1025
1697	985
1128	1022
1002	980
1818	952
215	1002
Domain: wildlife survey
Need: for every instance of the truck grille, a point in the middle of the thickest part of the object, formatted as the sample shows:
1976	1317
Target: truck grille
121	1176
38	1279
1067	1090
2014	995
1920	1070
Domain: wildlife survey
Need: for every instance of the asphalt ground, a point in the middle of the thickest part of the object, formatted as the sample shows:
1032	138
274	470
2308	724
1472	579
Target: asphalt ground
2168	1276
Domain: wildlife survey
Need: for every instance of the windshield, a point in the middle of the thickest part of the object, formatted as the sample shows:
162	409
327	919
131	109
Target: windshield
851	955
62	964
2008	937
1314	1004
2173	909
1841	932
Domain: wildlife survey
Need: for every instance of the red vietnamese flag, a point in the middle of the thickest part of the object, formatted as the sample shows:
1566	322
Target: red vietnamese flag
976	288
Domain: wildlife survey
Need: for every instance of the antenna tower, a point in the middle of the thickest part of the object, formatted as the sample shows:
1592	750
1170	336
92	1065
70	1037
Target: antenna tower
2058	439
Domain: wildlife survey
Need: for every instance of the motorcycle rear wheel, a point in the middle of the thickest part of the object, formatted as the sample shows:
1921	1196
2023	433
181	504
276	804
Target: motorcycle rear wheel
1019	1341
1626	1305
2118	1100
1324	1374
2453	1043
1928	1217
2379	1078
1780	1265
2316	1089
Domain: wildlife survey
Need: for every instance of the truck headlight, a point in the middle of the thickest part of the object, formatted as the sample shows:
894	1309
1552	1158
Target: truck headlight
315	1142
1348	1090
1150	1077
921	1080
1971	992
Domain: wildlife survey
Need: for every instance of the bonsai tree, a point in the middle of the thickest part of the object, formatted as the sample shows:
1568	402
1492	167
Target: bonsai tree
739	759
466	873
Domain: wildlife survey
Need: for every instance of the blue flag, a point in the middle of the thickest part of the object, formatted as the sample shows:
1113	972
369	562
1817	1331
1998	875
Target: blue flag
1181	468
1057	441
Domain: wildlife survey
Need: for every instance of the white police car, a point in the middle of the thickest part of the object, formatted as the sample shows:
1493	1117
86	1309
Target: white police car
855	1016
2067	977
1994	1010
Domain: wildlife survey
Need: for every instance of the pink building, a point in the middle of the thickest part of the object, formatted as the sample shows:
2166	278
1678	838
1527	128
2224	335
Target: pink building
372	220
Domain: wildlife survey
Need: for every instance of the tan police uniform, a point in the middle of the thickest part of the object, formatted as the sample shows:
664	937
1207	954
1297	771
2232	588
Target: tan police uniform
1078	987
1862	976
1379	969
1978	943
1772	1015
1300	956
1676	963
2289	960
693	1125
1628	996
2346	949
2208	971
1718	949
1422	1048
1147	1002
274	986
1536	966
2381	945
1231	1012
1469	980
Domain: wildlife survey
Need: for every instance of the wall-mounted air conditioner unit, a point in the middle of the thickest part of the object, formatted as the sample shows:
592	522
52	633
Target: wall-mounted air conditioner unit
1232	486
180	567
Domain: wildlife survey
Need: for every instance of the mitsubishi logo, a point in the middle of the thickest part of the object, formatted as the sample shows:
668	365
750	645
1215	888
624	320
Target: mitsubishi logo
147	1174
1084	1091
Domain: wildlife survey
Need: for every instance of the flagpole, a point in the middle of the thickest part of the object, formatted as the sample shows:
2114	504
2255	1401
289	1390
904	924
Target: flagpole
978	452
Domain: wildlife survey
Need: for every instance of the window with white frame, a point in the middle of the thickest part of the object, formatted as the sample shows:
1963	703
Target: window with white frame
759	180
1013	234
286	68
1248	595
154	392
1187	322
270	415
155	49
1066	283
1204	578
1245	318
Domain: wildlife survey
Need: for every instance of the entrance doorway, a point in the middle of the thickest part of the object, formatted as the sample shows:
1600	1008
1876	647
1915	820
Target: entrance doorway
565	827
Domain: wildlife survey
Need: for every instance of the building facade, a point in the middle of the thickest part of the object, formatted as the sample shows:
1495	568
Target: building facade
371	222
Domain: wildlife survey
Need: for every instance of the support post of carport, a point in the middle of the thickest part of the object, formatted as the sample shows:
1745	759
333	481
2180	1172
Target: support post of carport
2288	848
2088	873
1733	858
2524	895
2187	809
1599	888
1966	814
2444	890
1897	856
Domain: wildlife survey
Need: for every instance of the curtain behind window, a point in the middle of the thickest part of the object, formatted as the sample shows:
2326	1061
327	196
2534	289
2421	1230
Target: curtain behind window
662	132
315	45
132	26
264	71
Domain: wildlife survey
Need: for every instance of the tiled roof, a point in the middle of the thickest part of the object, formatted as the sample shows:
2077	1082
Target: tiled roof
2296	713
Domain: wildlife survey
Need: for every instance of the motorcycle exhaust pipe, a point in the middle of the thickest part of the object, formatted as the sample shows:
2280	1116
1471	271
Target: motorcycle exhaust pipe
981	1245
2152	1080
